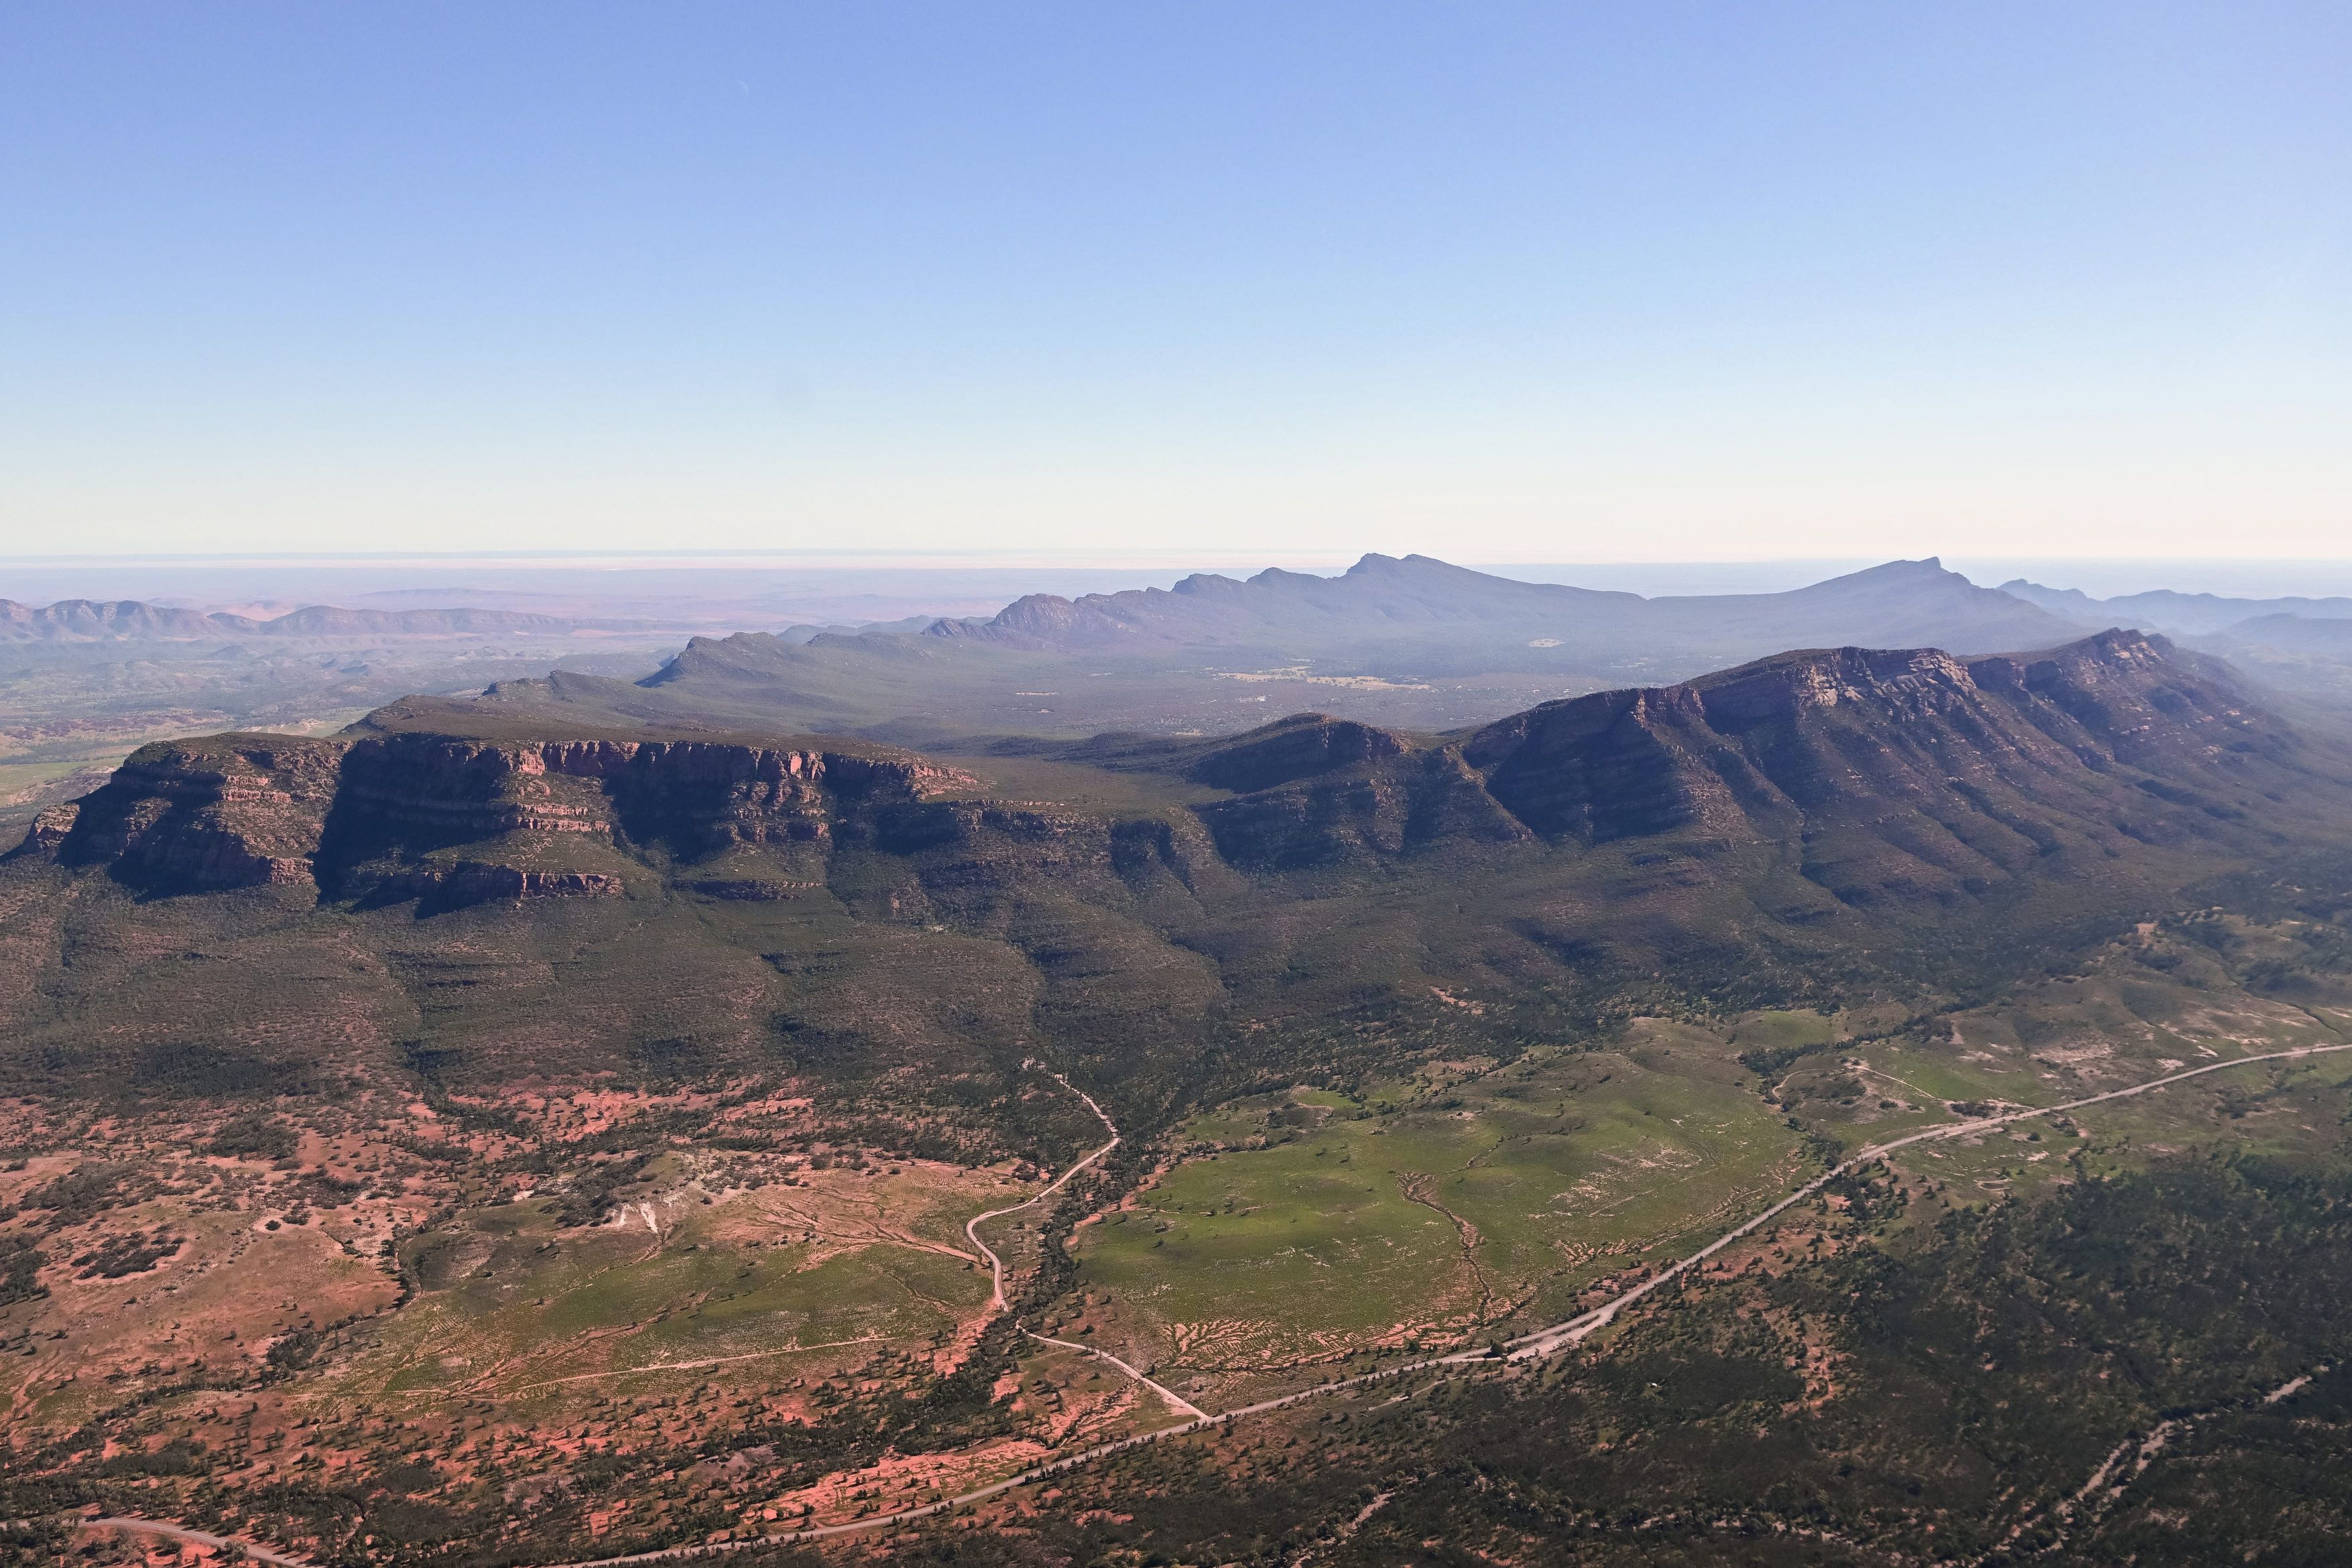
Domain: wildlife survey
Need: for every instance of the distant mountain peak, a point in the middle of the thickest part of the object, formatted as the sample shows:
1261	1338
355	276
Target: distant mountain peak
1416	613
1926	569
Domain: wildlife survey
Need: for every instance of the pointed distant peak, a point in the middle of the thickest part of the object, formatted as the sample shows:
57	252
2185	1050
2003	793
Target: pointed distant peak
1926	566
1928	573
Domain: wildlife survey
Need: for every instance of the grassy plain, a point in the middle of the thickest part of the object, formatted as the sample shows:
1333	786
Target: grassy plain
774	1282
764	1327
1473	1200
2156	1003
1469	1199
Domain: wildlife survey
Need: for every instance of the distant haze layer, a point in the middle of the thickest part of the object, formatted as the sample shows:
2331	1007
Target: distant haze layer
765	588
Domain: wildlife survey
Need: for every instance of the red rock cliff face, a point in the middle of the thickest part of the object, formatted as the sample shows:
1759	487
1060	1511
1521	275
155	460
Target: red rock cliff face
218	812
696	797
229	811
433	788
700	797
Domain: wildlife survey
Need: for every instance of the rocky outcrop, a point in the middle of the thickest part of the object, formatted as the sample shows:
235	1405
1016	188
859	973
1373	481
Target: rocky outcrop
50	828
433	790
699	798
2136	700
198	815
376	817
469	882
410	792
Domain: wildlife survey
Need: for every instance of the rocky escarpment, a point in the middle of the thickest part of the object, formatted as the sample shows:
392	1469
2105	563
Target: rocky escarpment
223	811
1880	775
1819	824
1852	734
51	826
1887	774
459	820
418	792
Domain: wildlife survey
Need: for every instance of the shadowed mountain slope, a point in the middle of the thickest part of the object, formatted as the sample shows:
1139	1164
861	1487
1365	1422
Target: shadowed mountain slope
1891	775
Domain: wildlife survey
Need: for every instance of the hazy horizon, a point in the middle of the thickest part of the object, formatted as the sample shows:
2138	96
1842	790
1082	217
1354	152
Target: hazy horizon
874	585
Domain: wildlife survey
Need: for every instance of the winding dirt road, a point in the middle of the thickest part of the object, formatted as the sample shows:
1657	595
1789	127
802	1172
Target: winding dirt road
972	1226
1176	1402
1541	1343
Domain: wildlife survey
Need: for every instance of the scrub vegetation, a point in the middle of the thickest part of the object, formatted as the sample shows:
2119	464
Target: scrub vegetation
525	1144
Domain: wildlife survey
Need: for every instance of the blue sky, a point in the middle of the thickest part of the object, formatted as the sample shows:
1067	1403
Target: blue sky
1496	282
